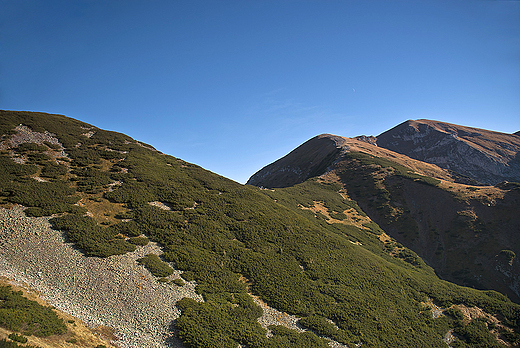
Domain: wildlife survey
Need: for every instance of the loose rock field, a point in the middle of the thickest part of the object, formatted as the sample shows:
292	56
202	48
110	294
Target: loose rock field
114	291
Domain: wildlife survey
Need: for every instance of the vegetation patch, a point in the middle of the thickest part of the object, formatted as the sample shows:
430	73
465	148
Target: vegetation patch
94	240
139	241
9	344
17	313
155	265
17	338
178	282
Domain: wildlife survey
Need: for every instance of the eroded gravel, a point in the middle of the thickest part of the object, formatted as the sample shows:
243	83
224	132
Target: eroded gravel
114	291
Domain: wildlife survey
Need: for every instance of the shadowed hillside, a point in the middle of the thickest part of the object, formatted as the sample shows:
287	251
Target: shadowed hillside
462	231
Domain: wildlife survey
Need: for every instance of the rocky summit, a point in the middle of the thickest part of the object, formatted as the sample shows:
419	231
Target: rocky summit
485	156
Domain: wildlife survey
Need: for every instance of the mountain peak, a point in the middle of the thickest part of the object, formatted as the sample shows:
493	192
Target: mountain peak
486	156
308	160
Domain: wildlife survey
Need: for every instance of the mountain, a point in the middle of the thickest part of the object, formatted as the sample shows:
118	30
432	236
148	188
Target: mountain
460	230
318	155
486	156
153	251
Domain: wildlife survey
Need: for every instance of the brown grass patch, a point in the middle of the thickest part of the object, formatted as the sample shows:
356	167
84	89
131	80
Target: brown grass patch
353	217
101	209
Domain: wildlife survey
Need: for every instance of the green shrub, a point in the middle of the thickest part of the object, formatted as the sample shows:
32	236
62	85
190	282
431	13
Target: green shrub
52	145
455	313
83	156
17	338
409	256
94	240
17	313
139	240
37	158
284	337
53	170
319	325
155	265
8	344
30	147
50	197
477	334
10	170
178	282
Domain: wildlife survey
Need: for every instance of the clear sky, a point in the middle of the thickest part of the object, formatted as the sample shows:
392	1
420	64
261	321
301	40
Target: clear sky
234	85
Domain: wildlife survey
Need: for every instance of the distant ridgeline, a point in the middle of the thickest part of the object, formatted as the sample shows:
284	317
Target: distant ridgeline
307	250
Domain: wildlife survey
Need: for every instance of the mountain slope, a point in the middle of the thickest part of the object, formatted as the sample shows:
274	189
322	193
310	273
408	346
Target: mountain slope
247	251
461	231
486	156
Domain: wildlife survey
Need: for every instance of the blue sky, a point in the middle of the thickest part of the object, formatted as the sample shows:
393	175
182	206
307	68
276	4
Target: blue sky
234	85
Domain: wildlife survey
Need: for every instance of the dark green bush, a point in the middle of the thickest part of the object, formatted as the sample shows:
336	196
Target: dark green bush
455	313
155	265
319	325
476	334
30	147
178	282
138	240
52	145
93	239
17	338
83	156
10	170
53	170
8	344
50	197
17	313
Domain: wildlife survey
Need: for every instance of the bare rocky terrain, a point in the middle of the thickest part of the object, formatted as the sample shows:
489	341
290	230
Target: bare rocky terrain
116	291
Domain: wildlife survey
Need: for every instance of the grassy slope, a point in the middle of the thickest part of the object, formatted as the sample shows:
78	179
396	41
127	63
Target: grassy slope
458	229
220	232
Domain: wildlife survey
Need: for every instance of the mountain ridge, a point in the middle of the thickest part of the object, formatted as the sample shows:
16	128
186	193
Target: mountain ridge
486	156
336	147
408	205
